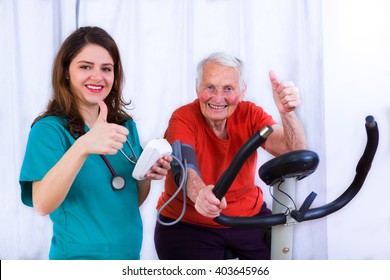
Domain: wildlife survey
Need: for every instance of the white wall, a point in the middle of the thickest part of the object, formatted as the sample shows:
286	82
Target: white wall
356	84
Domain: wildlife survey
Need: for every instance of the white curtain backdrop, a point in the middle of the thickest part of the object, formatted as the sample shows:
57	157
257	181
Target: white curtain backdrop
161	42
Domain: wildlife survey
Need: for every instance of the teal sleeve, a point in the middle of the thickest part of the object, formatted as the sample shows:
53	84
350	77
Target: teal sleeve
45	146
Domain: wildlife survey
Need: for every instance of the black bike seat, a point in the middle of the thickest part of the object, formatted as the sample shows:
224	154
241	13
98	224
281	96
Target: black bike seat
299	164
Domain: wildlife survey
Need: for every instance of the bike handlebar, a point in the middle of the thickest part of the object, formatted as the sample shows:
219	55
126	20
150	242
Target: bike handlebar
227	178
362	169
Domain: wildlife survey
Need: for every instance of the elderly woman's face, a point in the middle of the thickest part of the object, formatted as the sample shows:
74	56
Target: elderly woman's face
219	92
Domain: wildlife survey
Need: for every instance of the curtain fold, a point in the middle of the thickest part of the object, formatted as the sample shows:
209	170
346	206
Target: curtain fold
160	42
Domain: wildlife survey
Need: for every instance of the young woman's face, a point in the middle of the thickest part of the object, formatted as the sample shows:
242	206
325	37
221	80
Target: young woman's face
91	75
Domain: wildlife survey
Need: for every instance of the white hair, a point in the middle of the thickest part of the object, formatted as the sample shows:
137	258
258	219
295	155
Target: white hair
224	59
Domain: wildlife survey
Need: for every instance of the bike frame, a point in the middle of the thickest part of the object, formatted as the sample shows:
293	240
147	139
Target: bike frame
285	170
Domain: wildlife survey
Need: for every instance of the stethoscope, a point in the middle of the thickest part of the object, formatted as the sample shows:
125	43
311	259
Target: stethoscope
117	181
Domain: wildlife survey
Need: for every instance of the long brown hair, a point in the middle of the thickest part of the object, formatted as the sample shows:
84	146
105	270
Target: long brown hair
63	102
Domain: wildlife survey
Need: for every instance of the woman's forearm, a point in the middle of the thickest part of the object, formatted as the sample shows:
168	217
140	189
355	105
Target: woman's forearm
51	191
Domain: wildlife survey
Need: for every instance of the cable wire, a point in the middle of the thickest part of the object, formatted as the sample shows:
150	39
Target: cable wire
182	186
286	194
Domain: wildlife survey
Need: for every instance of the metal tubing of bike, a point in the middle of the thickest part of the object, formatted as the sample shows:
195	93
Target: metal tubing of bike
362	169
282	235
228	176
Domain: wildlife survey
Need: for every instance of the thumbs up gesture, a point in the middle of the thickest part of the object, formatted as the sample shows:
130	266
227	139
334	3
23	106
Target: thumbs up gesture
105	138
286	94
102	117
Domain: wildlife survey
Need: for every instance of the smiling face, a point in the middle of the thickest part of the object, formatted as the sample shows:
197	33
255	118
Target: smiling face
219	93
91	75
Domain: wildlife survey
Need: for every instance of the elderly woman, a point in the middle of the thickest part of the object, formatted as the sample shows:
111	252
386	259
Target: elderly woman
214	127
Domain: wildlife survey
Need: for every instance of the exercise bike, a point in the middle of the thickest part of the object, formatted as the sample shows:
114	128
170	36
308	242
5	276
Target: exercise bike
282	173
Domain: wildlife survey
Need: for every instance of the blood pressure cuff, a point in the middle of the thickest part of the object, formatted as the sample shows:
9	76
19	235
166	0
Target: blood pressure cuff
183	152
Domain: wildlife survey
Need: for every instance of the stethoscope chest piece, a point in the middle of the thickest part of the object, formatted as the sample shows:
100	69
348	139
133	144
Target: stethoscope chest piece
117	183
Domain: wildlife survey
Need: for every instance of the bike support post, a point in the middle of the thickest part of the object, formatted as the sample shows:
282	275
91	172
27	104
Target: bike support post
283	235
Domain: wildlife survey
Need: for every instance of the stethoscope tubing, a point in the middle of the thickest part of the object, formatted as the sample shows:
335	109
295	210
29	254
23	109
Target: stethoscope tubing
117	182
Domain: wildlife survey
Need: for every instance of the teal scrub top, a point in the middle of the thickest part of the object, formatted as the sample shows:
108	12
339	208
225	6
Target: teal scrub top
94	221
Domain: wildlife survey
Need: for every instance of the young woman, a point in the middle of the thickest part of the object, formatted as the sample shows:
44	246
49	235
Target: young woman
81	153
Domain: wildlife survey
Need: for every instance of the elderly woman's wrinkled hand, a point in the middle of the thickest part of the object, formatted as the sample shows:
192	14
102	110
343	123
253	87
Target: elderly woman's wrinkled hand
207	204
286	94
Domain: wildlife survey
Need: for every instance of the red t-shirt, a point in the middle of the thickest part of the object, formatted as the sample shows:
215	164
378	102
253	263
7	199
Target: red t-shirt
214	155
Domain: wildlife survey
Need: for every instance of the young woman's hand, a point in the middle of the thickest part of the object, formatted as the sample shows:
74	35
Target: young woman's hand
104	138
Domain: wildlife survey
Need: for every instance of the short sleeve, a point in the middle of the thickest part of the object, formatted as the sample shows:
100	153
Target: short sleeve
45	146
184	125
